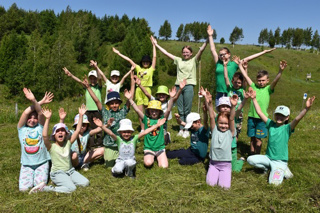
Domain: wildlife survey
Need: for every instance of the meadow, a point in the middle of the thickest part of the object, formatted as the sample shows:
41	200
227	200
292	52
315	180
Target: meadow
183	188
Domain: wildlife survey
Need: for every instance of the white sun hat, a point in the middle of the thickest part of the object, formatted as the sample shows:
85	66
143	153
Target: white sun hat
125	125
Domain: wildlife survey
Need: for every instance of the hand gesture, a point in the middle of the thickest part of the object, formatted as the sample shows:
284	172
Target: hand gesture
202	91
66	71
210	30
267	51
46	113
183	83
115	50
62	114
172	91
82	109
246	95
236	59
234	100
161	121
47	98
208	97
252	93
97	121
127	94
310	101
283	65
133	67
137	80
29	95
177	116
93	63
110	122
153	40
85	82
244	64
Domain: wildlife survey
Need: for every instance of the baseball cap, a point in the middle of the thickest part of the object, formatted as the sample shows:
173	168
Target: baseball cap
115	72
283	110
93	73
193	116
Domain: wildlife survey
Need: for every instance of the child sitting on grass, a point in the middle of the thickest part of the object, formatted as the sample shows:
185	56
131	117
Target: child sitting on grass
34	155
127	145
62	174
280	130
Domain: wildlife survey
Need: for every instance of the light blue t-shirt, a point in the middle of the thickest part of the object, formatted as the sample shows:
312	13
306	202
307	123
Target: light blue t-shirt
33	149
220	149
83	142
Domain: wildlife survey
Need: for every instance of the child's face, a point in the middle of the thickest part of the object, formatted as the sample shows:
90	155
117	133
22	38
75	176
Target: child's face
126	135
114	105
263	81
224	108
32	120
93	80
224	55
196	125
223	124
186	53
84	128
60	135
280	119
154	113
145	64
162	97
114	79
237	83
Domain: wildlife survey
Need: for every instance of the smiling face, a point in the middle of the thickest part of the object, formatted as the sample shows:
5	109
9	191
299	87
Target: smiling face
280	119
126	135
114	79
186	53
263	81
32	119
93	80
224	55
237	83
224	108
60	135
154	113
162	97
145	64
223	123
114	105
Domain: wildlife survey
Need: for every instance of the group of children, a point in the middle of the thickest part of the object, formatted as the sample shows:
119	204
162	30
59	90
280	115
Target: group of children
103	130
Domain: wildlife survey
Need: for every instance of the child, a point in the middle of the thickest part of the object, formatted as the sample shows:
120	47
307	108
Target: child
219	172
186	69
224	56
280	130
127	144
111	118
113	84
92	110
145	74
62	174
199	139
34	155
256	127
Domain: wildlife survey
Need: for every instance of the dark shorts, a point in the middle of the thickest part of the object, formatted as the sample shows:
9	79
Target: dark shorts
256	128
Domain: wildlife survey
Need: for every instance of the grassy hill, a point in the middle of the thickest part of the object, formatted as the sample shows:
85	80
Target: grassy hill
183	188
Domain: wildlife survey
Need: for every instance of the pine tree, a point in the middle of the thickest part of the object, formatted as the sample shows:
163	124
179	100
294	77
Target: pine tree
165	30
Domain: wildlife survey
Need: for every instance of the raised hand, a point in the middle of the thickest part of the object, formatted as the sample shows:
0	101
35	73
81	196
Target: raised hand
283	64
115	50
183	83
210	30
133	67
66	71
93	63
29	95
46	113
177	116
244	64
236	59
202	91
82	109
234	100
127	94
172	91
310	101
204	107
161	121
110	122
208	97
252	93
62	114
85	82
246	95
153	40
47	98
137	80
97	121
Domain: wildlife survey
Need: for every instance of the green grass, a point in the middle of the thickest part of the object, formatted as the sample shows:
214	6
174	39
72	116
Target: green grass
183	188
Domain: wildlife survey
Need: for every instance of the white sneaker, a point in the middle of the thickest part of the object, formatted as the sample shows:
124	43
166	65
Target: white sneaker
38	188
180	133
288	174
85	167
186	134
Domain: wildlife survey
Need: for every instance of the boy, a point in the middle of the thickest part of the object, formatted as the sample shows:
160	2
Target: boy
256	127
92	110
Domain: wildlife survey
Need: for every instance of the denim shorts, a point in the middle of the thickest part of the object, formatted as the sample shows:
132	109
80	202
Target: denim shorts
256	128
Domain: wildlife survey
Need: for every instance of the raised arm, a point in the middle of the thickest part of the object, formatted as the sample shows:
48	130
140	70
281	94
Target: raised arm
129	96
99	123
209	106
68	73
249	58
143	89
47	98
29	95
150	129
283	65
126	75
242	104
202	48
154	54
244	72
82	111
177	94
256	105
225	72
123	56
94	97
169	55
62	115
179	121
212	46
309	103
233	101
47	114
94	64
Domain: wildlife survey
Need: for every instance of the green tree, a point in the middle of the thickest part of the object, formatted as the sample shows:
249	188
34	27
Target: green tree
277	37
165	30
298	38
263	37
222	40
315	40
271	39
179	33
236	35
307	36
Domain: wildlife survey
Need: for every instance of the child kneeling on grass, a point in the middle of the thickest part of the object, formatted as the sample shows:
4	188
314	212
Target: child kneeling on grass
126	145
62	174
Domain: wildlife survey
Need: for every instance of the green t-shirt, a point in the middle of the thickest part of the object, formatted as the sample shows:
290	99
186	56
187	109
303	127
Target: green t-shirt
220	82
186	69
90	104
127	148
278	138
153	141
146	79
61	157
263	99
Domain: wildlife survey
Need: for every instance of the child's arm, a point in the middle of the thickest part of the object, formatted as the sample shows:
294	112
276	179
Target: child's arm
249	58
208	101
47	114
94	97
68	73
99	123
150	129
283	65
244	73
179	121
212	46
309	103
47	98
94	64
123	56
256	105
62	115
126	75
202	48
154	54
29	95
128	95
233	101
173	100
225	72
143	89
177	94
95	131
169	55
82	111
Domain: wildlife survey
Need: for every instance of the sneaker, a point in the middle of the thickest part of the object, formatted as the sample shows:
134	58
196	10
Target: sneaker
38	188
167	138
288	174
242	158
186	134
180	133
85	167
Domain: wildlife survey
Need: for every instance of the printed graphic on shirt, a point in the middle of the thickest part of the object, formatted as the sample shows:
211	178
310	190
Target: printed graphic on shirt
126	151
31	142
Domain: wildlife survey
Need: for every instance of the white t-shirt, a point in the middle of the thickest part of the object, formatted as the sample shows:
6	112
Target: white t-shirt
110	87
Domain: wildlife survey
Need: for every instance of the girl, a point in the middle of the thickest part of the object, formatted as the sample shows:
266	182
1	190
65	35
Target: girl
145	73
219	172
127	144
186	69
62	174
34	155
276	157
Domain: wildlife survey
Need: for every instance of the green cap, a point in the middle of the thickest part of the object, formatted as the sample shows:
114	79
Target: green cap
163	89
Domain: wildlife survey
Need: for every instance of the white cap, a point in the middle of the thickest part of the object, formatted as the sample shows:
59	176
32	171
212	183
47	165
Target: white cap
125	125
283	110
93	73
115	72
193	116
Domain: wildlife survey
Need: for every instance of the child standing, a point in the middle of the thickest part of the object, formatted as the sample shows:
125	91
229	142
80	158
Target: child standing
34	154
256	127
219	172
62	174
280	130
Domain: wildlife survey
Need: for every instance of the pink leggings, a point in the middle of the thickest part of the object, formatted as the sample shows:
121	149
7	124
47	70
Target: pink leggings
219	173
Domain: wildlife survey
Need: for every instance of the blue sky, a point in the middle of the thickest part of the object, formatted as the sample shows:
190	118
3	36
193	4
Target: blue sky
252	16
